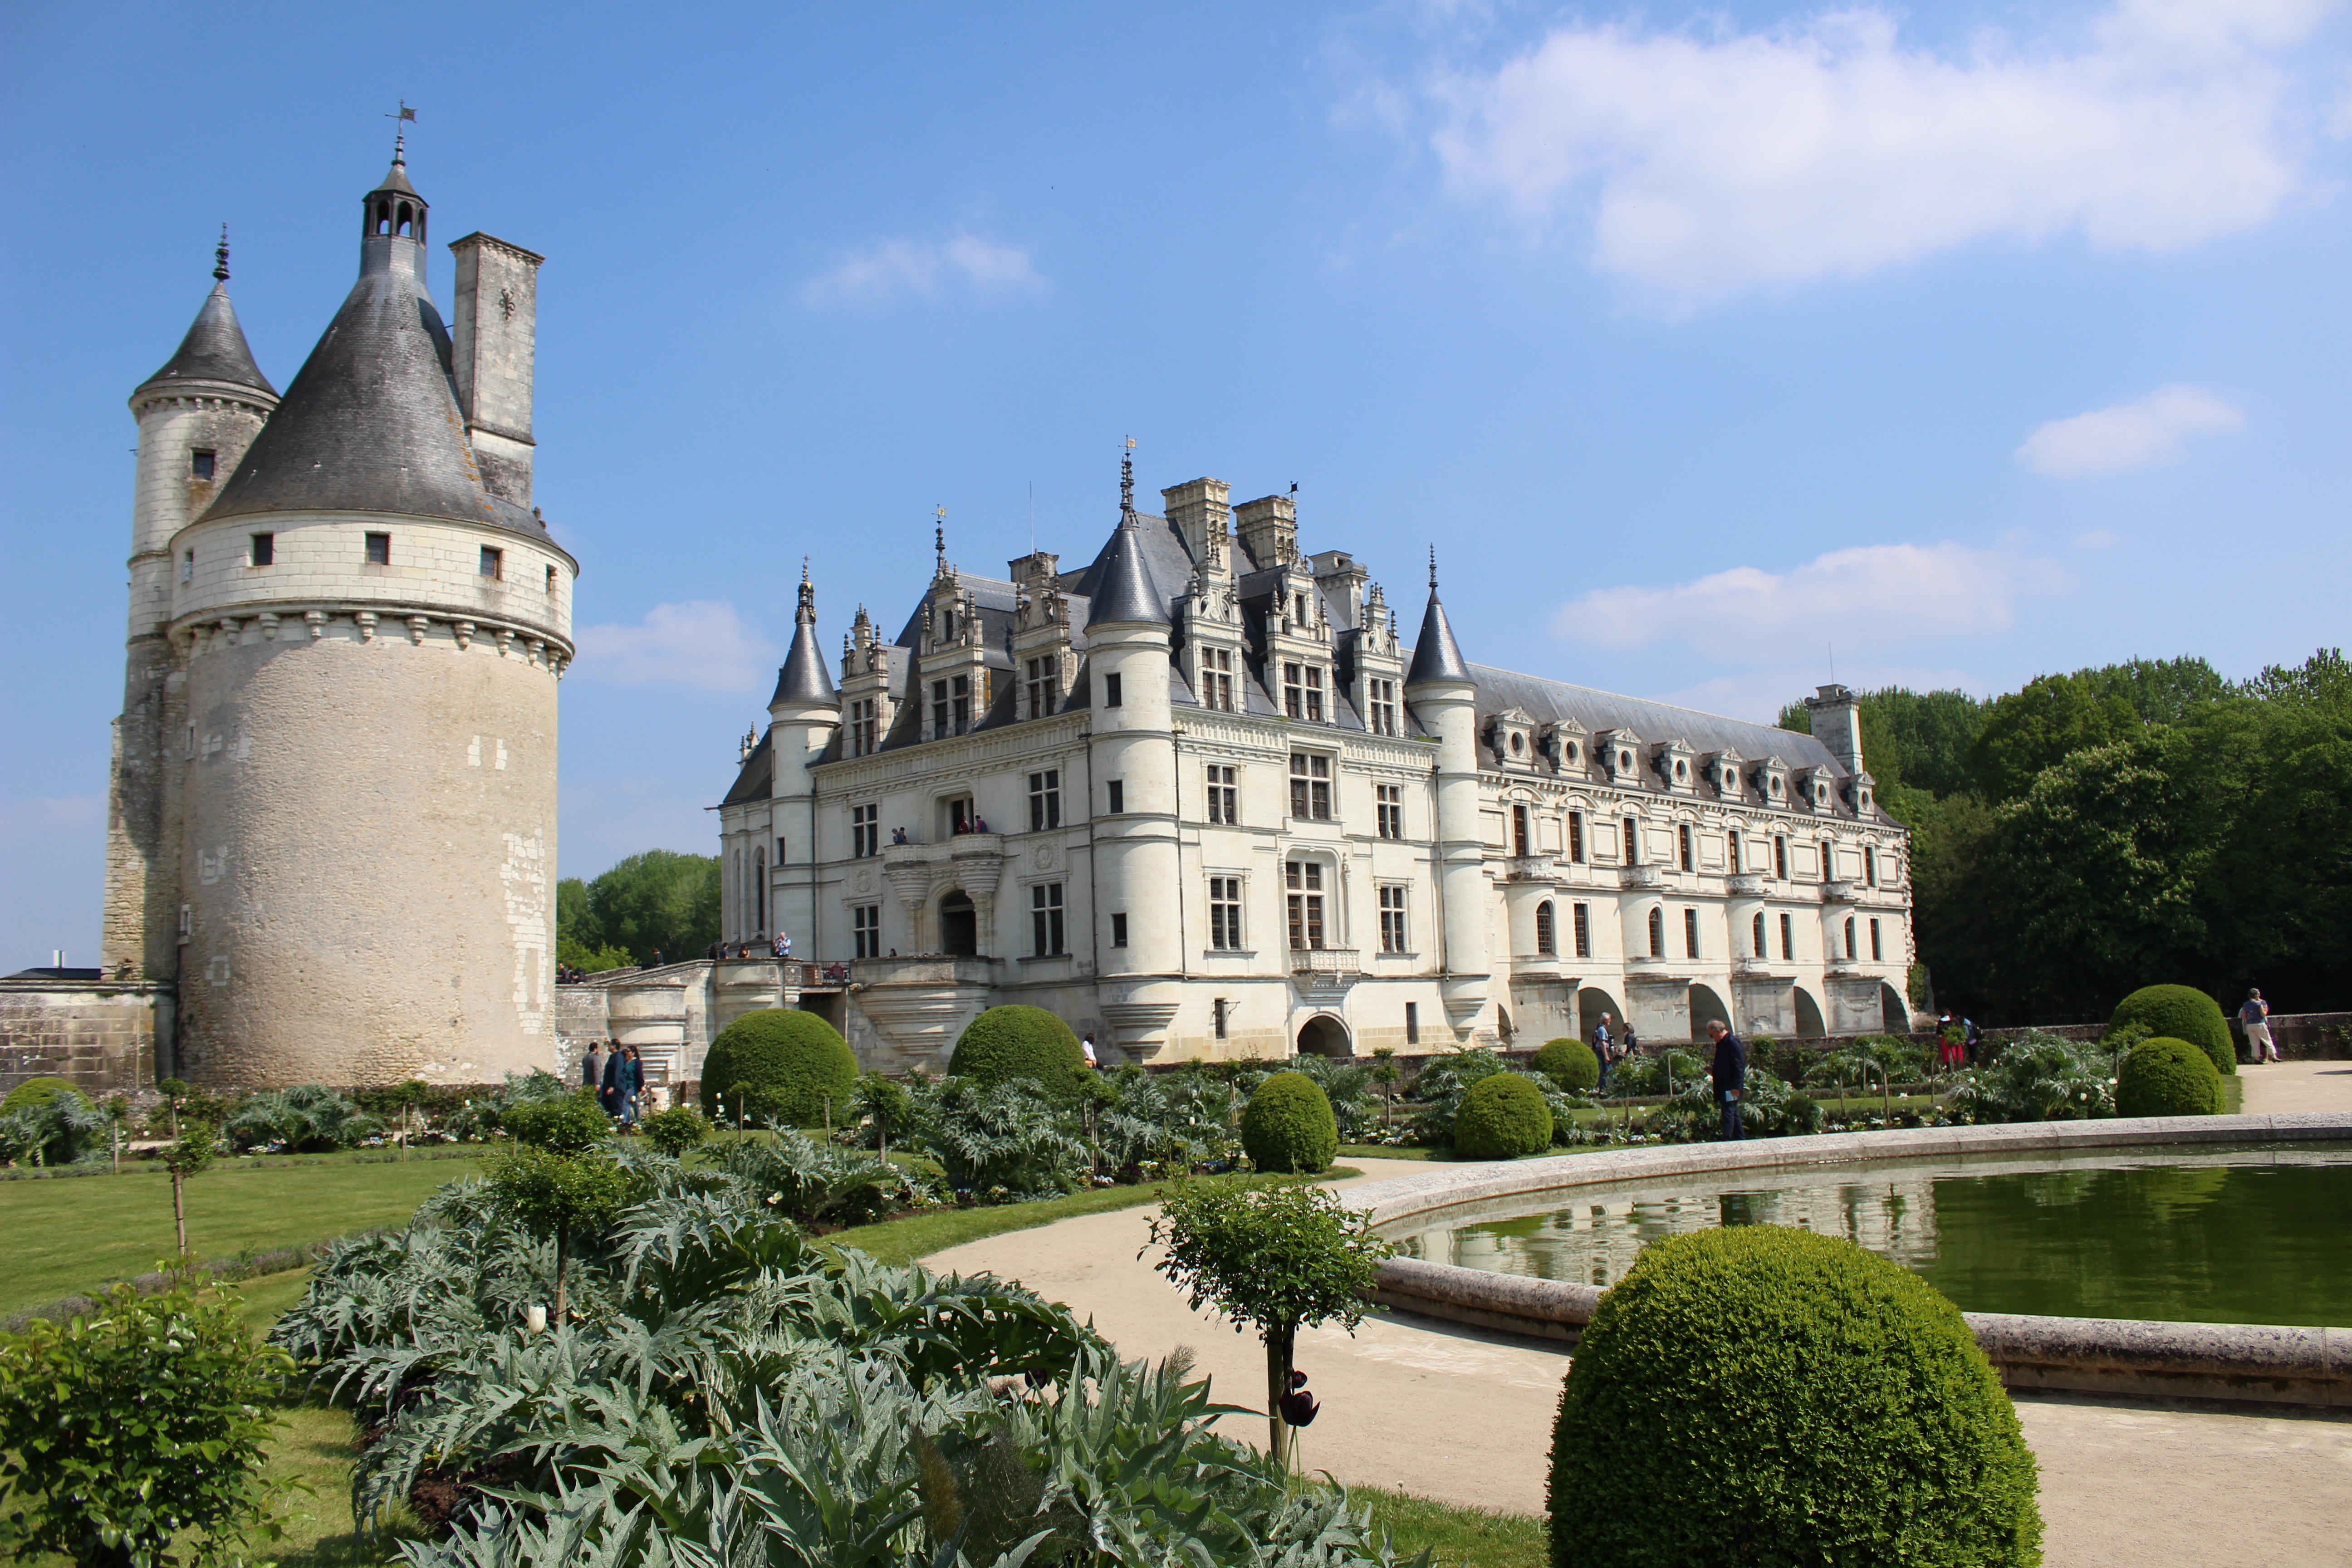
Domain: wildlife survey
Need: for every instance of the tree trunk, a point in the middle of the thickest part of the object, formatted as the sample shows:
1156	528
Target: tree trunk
562	1254
1278	1345
179	1213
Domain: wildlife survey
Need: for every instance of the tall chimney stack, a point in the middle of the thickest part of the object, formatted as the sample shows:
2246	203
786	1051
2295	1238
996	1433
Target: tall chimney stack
495	337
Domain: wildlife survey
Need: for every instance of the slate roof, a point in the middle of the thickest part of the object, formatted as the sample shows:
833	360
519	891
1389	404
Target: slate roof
1123	592
803	680
214	350
1436	656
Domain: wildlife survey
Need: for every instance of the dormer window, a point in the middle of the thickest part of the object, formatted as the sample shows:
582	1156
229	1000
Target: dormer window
1682	772
1518	743
1567	753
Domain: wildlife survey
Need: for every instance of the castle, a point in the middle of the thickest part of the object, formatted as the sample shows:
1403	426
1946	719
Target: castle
1200	797
331	838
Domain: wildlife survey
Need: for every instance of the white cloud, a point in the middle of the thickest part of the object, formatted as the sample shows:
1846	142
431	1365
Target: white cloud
701	643
889	268
1713	165
2128	436
1874	597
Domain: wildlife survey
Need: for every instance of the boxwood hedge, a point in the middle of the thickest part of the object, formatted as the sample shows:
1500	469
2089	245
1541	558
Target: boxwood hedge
2181	1012
1289	1126
799	1060
2168	1078
1502	1118
1020	1042
1570	1063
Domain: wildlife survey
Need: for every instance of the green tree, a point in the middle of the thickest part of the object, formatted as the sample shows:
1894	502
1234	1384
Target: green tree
2160	690
659	901
1274	1258
2053	717
556	1194
131	1430
189	1155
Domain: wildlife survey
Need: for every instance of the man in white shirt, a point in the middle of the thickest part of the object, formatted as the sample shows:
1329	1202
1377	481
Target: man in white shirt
1087	1044
2256	1018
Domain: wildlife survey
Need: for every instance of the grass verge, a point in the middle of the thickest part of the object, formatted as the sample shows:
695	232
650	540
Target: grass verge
1455	1536
919	1236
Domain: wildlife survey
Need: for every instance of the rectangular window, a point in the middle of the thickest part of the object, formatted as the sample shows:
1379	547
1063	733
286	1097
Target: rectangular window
1575	837
1877	953
862	727
1045	919
1223	1010
1690	934
938	709
1115	795
494	561
1632	843
1849	937
1388	801
1304	878
781	858
959	700
1226	913
1383	706
1787	939
960	817
188	566
1520	845
1110	690
1217	678
1683	837
1870	865
1760	935
1731	852
864	831
551	580
199	464
1413	1023
1225	795
1045	800
379	550
1780	860
1045	686
1310	787
1118	930
865	930
1302	691
264	548
1828	865
1392	920
1583	913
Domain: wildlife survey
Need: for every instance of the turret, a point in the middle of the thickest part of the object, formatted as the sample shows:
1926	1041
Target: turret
802	715
196	417
1444	700
1134	812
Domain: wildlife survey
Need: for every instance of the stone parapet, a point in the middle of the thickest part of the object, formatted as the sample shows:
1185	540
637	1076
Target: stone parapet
99	1035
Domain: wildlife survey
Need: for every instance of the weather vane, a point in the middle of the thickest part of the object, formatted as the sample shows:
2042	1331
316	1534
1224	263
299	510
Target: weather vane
406	116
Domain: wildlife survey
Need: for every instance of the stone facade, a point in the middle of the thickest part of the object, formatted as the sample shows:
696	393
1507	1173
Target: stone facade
99	1035
1198	797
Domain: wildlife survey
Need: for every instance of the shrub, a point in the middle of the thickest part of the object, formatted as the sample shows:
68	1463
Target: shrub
33	1093
2181	1012
307	1119
2036	1078
1760	1394
1502	1118
799	1058
2168	1078
1570	1063
571	1125
1012	1042
1288	1125
676	1131
57	1128
135	1424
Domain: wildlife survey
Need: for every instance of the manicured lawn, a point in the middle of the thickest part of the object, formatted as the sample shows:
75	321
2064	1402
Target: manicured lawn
67	1237
1457	1537
919	1236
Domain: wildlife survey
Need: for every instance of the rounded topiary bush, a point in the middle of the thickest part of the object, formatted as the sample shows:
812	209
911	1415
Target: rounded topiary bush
2168	1078
2181	1012
1020	1042
1502	1118
1288	1125
32	1092
801	1062
1570	1063
1758	1394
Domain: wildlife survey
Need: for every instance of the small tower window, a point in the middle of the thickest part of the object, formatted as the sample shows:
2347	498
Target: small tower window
1849	937
1118	930
551	580
1760	935
494	561
1657	933
1110	691
407	216
199	464
1546	940
1683	835
379	550
188	566
1115	792
264	548
1690	934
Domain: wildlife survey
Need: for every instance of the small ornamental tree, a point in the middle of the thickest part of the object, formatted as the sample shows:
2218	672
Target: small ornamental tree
134	1427
558	1179
1385	1073
676	1130
1273	1259
1503	1117
189	1155
175	1091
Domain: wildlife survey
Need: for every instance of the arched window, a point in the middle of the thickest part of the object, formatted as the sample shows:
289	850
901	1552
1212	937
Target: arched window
1683	837
1657	933
1850	951
1632	843
407	218
383	217
1546	940
1760	935
760	892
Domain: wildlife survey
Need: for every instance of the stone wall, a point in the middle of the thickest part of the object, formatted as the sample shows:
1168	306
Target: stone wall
99	1035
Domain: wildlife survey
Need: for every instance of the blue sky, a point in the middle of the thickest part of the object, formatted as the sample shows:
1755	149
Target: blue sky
1708	345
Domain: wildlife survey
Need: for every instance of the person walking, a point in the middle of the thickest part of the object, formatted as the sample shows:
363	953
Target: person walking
592	1067
1972	1041
609	1087
633	1084
1087	1044
2255	1015
1730	1074
1602	1050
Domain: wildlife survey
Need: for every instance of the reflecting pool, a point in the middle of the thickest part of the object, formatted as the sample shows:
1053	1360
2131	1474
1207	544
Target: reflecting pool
2228	1236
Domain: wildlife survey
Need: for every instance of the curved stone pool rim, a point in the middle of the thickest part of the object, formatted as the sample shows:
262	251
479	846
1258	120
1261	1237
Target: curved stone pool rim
2092	1355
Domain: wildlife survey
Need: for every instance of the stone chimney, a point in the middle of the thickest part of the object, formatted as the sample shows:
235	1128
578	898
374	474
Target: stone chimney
1837	724
1269	530
1199	507
495	340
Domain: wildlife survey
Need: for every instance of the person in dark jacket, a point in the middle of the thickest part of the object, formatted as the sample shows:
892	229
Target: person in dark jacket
1729	1071
592	1065
615	1072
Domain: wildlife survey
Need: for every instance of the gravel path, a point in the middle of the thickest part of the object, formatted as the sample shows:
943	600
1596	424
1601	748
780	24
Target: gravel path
1465	1417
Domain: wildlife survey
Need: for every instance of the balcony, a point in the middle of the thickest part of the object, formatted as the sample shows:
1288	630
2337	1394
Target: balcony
1530	868
1750	883
1642	877
1325	971
1837	893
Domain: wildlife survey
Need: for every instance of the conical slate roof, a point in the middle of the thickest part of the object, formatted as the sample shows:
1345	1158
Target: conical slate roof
805	682
1124	593
214	350
1436	656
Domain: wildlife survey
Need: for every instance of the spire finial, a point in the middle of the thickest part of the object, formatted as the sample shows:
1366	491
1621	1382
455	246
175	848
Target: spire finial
1433	568
406	117
1127	483
806	615
939	538
220	258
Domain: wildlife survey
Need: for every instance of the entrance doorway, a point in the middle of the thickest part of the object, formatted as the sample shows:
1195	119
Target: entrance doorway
1324	1036
1591	1003
1809	1016
958	926
1894	1011
1706	1006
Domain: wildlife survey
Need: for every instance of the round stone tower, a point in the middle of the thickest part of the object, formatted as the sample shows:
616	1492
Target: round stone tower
369	622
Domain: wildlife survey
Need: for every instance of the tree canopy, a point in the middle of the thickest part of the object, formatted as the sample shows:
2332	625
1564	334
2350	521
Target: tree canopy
659	901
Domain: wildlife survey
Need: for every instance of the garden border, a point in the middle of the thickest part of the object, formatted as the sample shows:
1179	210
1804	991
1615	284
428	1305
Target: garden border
2269	1363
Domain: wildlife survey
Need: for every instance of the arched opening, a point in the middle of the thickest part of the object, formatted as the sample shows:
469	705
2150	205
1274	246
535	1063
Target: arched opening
1657	933
1324	1036
407	218
1503	1026
1706	1007
958	926
1546	930
383	217
1809	1016
1591	1002
1893	1012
